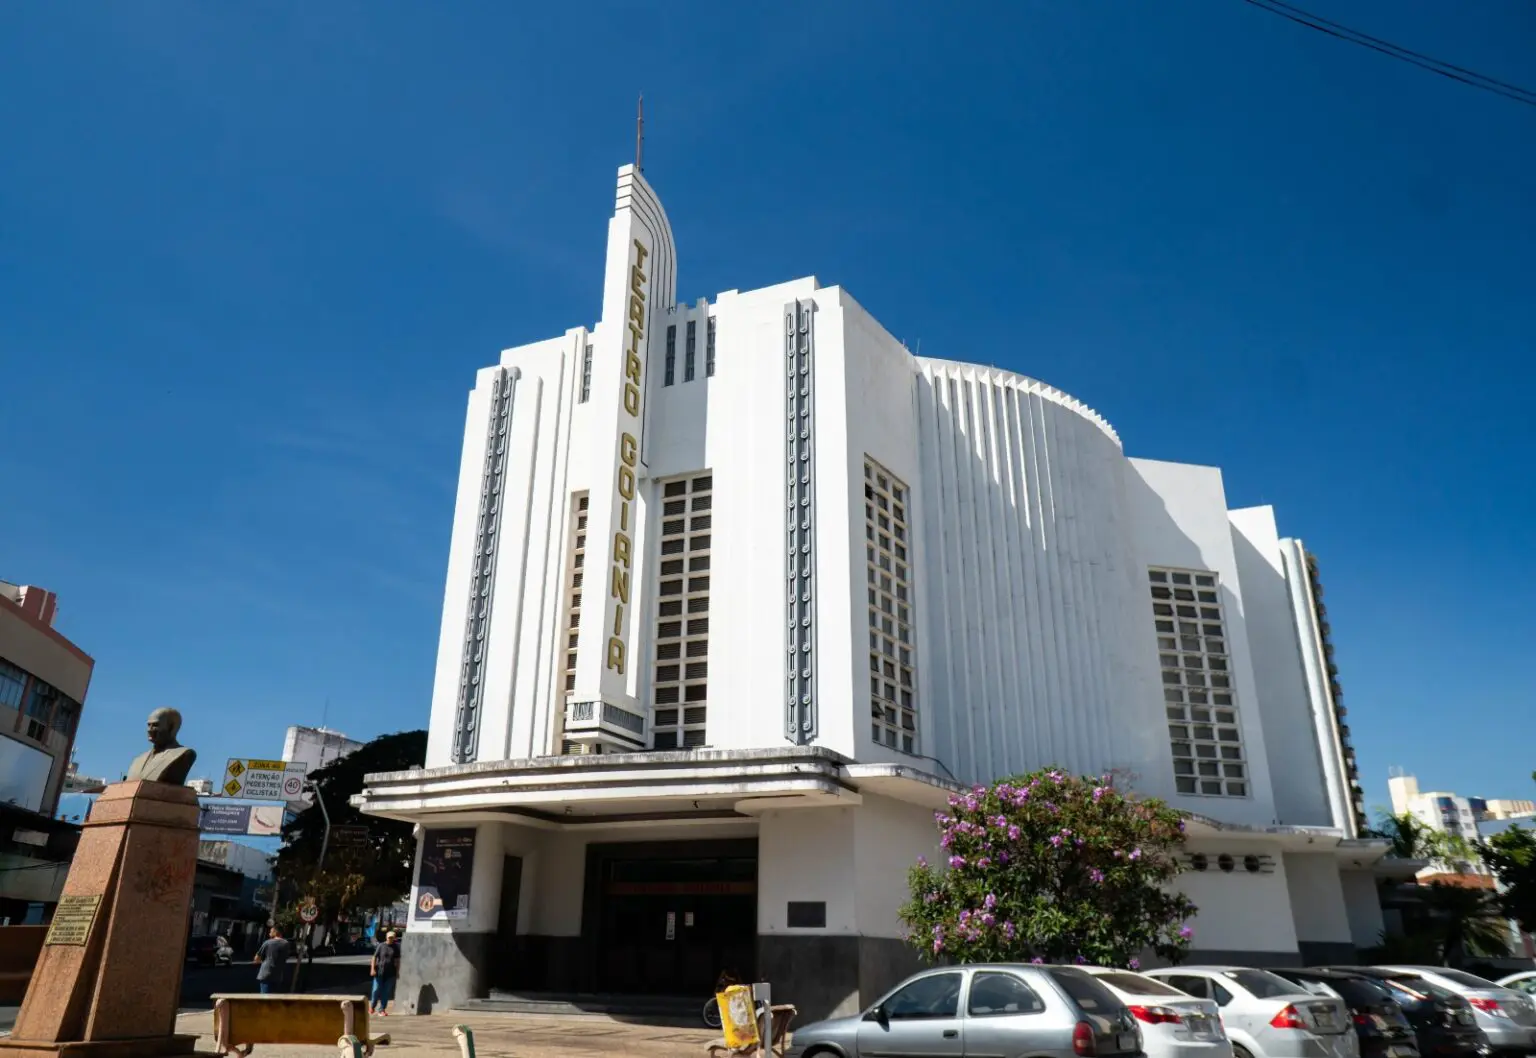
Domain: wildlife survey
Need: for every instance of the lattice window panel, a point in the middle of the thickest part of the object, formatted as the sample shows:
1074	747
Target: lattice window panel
888	567
680	675
1194	655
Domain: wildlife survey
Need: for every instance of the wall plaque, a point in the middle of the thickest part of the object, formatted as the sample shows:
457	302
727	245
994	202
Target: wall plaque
72	920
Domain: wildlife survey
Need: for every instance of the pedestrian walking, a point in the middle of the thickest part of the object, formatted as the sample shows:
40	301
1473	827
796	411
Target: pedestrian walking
385	970
272	957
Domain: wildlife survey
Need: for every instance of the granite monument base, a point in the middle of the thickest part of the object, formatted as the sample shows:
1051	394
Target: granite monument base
108	981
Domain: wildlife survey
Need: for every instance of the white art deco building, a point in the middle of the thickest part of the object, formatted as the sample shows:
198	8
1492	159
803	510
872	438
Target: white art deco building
740	590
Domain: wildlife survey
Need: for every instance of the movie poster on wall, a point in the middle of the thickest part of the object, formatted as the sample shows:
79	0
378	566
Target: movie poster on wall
447	862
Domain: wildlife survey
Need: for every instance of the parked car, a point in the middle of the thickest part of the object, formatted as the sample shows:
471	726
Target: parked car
1042	1011
1506	1016
209	951
1267	1016
1442	1021
1384	1030
1173	1024
1522	982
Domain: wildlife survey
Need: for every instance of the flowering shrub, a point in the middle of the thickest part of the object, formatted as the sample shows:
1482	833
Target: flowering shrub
1051	868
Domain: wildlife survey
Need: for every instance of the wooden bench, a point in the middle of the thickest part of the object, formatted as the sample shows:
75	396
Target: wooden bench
242	1021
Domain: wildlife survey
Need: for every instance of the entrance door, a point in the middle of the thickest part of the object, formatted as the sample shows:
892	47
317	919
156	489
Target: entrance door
504	966
672	925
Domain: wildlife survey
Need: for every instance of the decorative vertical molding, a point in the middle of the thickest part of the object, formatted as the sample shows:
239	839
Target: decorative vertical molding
466	721
800	722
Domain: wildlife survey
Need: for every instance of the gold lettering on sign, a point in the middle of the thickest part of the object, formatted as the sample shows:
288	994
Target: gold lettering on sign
629	459
72	920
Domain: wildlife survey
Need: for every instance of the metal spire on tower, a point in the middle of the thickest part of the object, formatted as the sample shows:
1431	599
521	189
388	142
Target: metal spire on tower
640	134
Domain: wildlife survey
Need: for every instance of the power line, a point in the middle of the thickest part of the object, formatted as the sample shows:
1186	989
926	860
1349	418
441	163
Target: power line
1395	51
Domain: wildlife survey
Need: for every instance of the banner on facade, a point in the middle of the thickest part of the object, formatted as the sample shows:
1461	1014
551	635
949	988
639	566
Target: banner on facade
447	862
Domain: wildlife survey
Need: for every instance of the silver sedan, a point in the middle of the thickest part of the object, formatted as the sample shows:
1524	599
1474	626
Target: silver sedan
1001	1010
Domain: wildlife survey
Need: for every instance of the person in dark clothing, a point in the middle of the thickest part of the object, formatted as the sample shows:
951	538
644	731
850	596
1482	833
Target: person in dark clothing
385	970
272	957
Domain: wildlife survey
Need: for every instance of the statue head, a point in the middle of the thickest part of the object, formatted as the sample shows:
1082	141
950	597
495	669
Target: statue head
162	727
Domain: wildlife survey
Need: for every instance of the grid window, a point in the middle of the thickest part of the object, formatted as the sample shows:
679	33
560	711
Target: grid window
709	349
671	354
573	579
13	681
688	352
1195	662
888	571
680	681
586	374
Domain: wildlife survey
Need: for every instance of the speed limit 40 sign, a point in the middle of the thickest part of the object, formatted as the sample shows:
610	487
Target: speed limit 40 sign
309	913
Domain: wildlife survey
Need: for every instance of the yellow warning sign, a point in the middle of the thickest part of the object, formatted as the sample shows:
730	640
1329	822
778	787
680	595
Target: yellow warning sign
232	787
236	769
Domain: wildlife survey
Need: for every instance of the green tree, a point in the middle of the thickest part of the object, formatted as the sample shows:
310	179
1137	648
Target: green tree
1465	922
1512	858
1051	867
373	873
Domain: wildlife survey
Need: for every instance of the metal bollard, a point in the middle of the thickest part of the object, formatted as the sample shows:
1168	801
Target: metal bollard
466	1040
350	1047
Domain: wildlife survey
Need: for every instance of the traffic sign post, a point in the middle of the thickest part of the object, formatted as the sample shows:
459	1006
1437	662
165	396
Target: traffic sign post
255	779
309	914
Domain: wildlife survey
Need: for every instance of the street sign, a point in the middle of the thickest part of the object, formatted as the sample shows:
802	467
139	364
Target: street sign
254	779
309	913
349	836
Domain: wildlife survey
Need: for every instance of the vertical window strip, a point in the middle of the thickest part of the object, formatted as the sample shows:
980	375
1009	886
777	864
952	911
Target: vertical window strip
586	375
671	355
709	349
1204	732
688	353
888	566
570	628
680	675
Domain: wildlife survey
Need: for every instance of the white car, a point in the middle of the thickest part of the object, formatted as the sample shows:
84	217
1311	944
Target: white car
1267	1016
1506	1015
1173	1024
1522	982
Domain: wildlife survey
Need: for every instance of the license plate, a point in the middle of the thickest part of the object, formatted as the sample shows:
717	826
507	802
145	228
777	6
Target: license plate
1402	1052
1126	1041
1324	1018
1201	1026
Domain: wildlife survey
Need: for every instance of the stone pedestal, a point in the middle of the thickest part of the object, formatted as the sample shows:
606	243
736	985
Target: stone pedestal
109	979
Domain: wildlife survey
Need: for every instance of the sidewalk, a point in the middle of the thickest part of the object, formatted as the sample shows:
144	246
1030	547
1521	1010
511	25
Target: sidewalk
498	1036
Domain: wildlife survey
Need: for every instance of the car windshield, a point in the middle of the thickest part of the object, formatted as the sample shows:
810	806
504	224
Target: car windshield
1093	997
1137	985
1358	992
1262	984
1464	979
1416	990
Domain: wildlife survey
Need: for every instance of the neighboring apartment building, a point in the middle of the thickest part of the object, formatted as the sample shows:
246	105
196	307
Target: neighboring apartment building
43	681
314	747
1460	817
739	593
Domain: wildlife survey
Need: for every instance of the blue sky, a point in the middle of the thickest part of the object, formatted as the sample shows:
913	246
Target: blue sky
251	256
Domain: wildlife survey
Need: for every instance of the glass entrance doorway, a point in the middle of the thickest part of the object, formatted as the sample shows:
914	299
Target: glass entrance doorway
669	918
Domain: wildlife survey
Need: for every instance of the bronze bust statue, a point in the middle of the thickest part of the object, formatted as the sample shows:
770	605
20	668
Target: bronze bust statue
166	760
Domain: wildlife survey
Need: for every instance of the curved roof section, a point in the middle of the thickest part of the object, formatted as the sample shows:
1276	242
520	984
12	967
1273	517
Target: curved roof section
1014	380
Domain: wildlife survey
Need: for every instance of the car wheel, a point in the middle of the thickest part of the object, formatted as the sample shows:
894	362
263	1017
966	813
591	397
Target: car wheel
1239	1051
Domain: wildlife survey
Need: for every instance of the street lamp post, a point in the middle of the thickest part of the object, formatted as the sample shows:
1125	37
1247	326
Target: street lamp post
325	842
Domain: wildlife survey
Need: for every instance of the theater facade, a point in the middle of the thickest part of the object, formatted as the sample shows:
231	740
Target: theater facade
740	590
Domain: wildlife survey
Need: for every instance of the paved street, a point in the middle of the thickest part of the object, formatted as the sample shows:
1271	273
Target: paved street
501	1036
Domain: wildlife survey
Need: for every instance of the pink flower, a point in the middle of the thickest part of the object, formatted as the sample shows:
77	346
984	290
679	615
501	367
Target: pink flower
1186	932
1037	960
989	919
990	902
1003	856
1013	833
1135	964
984	863
957	861
1008	930
1096	874
1135	854
1056	840
922	861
